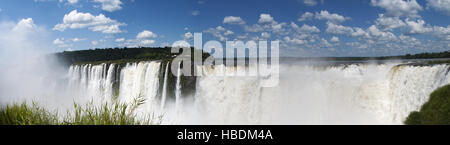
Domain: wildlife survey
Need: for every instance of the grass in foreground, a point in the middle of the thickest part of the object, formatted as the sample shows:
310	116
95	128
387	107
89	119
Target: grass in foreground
22	114
107	114
435	112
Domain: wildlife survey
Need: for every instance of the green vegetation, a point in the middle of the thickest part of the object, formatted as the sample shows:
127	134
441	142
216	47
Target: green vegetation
106	114
435	112
26	115
120	55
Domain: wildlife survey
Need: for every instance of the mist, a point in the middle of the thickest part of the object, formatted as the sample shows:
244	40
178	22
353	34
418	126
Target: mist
29	71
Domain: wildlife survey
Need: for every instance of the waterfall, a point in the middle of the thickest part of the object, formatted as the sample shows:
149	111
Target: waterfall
91	82
109	82
412	85
307	94
164	92
344	94
178	87
139	80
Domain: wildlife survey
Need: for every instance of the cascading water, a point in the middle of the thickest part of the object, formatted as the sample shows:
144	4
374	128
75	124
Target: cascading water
178	88
91	82
307	94
411	86
164	92
139	80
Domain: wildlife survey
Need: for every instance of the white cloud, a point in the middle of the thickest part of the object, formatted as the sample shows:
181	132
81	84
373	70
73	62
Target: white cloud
228	32
325	43
180	43
334	18
398	8
417	27
146	34
295	41
388	23
217	32
265	18
78	39
265	35
120	40
305	28
100	23
440	5
442	32
110	5
58	41
335	39
188	35
306	16
72	1
233	20
338	29
143	38
220	28
380	35
147	42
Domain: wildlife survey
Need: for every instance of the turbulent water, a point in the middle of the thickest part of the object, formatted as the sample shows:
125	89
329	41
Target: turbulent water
307	94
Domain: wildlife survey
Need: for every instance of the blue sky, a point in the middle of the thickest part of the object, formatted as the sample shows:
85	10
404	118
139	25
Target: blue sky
303	27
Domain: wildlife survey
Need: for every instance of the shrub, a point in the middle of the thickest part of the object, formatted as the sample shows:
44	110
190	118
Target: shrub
435	112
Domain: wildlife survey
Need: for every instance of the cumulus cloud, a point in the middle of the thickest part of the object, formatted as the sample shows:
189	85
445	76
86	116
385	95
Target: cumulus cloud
217	32
146	34
110	5
388	23
265	35
399	8
323	15
339	29
380	35
120	40
333	18
99	23
294	41
147	42
60	42
371	34
442	32
228	32
440	5
233	20
306	16
417	27
144	38
188	35
334	39
305	29
78	39
265	18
